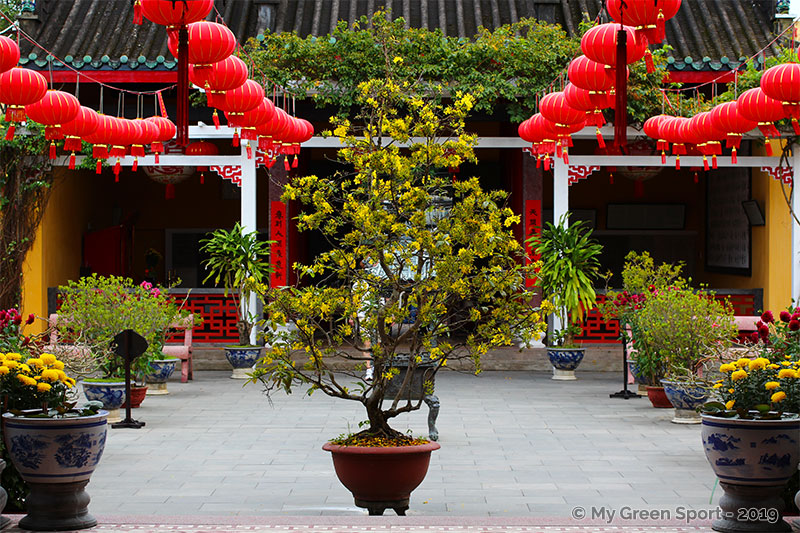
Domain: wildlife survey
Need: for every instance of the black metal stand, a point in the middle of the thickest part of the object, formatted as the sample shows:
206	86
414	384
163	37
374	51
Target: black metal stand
625	394
130	345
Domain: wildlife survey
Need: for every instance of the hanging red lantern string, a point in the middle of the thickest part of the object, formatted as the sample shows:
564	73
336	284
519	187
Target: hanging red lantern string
166	131
546	145
223	76
755	105
20	87
54	109
782	82
84	124
648	17
9	53
201	148
581	99
271	131
593	77
251	119
704	134
209	43
726	117
673	130
563	119
123	133
600	44
146	134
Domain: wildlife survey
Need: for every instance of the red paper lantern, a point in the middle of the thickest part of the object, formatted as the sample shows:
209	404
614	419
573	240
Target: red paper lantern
202	148
100	139
706	136
581	99
244	98
652	128
9	54
175	13
545	139
53	109
252	118
782	82
20	87
122	133
523	130
755	105
221	77
166	131
592	76
600	44
209	43
646	16
726	117
83	125
554	107
148	131
674	131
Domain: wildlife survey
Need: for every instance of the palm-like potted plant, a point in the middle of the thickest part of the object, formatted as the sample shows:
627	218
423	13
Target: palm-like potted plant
426	281
239	261
569	266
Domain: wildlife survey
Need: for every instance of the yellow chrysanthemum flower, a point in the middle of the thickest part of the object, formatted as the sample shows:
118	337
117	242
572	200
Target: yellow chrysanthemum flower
13	356
4	370
62	376
739	374
12	364
743	362
731	390
58	365
729	405
25	380
24	367
778	396
34	362
48	358
759	363
70	382
771	385
43	387
717	386
787	373
50	374
727	367
773	366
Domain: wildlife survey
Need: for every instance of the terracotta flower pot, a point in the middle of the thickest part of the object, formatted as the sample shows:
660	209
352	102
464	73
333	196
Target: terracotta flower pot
381	478
658	397
137	396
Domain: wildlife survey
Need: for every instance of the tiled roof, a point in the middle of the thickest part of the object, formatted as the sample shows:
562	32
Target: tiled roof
99	34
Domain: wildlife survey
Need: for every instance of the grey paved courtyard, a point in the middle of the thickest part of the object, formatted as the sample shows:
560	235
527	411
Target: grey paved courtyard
514	444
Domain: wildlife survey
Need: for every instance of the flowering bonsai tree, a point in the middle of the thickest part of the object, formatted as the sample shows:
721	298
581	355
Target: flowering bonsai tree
422	264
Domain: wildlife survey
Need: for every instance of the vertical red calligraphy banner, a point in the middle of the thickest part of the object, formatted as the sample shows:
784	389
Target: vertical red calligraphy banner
278	250
533	227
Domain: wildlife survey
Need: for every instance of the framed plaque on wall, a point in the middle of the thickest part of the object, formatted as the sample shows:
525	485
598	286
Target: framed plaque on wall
728	237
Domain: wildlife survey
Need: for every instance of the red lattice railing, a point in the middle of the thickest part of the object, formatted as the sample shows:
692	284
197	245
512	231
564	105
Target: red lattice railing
596	331
217	310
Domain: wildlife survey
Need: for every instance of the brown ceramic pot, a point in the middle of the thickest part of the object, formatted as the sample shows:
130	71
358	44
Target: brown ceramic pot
658	397
381	478
137	396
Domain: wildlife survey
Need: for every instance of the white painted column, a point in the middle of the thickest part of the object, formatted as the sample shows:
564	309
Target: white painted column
560	189
795	266
248	213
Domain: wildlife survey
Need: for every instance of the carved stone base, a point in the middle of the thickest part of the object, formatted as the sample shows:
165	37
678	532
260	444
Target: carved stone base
156	389
751	509
377	508
686	416
114	415
563	375
57	507
241	373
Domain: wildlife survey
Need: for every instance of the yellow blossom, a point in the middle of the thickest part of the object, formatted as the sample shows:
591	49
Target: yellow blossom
739	374
43	387
58	365
48	358
743	362
778	396
24	367
34	362
771	385
731	390
727	367
13	356
787	373
717	386
759	363
12	364
50	374
729	405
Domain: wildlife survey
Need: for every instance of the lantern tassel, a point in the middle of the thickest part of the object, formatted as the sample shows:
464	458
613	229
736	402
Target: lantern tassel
235	141
663	157
696	179
135	166
215	116
99	168
768	147
10	132
714	161
705	162
734	159
249	151
601	143
565	156
294	163
661	31
538	161
270	161
648	61
52	150
116	170
169	192
137	12
611	178
156	154
547	162
678	162
286	163
202	178
72	161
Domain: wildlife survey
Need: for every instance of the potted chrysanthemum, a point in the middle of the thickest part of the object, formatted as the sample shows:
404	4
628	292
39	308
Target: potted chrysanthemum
53	445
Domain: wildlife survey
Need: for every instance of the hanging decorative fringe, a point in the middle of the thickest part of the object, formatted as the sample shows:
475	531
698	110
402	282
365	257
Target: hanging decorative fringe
202	178
235	141
714	161
99	168
294	162
249	151
72	161
705	164
696	179
601	143
734	159
116	171
137	12
286	163
135	166
10	133
215	117
52	150
648	61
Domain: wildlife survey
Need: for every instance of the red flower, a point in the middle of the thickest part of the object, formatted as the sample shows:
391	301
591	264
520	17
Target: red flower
796	316
754	336
651	288
767	317
763	331
759	324
785	316
31	318
794	325
25	341
17	320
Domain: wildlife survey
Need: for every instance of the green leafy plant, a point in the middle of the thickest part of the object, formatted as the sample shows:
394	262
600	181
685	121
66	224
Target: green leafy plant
240	261
569	265
95	309
425	265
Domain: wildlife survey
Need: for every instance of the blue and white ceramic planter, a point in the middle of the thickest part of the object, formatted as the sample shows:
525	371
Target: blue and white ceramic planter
56	457
110	394
753	460
242	359
685	397
160	371
565	361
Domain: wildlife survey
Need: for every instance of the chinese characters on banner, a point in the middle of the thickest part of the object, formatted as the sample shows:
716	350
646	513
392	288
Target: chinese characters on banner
277	234
533	226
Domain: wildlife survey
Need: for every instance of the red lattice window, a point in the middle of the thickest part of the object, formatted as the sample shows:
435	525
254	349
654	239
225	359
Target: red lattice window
218	312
